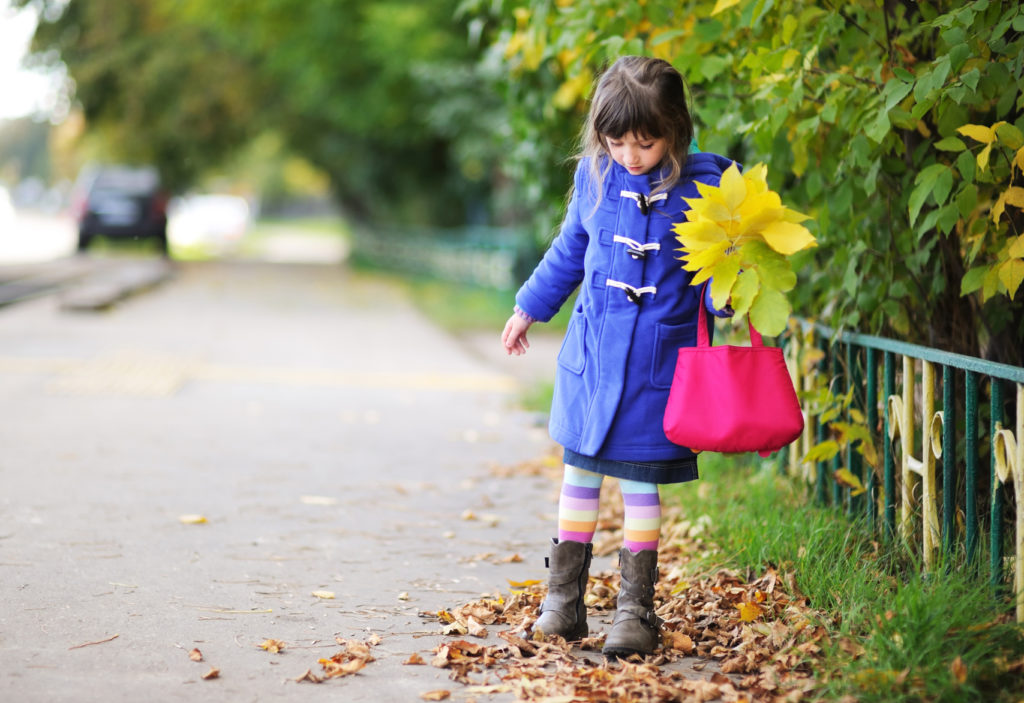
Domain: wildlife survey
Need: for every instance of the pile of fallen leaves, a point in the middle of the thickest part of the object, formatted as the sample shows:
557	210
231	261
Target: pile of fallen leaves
725	636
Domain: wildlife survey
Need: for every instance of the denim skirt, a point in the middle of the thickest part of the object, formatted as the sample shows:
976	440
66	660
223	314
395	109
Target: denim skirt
674	471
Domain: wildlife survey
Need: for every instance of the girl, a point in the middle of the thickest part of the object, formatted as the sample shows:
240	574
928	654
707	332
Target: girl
634	309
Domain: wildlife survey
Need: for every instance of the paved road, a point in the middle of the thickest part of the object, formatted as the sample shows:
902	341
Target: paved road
329	436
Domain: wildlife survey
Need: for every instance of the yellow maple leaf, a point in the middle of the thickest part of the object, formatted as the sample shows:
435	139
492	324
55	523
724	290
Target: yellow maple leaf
786	237
749	611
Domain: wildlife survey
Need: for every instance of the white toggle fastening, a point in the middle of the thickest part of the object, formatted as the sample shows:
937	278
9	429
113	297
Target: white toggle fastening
643	201
632	292
636	249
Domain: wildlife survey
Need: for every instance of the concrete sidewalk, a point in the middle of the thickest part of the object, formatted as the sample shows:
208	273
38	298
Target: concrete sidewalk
327	438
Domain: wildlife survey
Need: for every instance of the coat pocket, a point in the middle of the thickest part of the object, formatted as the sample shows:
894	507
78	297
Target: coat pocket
667	340
572	357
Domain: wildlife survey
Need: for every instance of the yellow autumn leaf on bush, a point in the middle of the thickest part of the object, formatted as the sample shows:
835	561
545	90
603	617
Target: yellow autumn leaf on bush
847	478
742	225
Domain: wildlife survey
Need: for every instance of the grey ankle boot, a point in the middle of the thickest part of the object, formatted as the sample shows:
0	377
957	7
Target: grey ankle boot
636	628
563	611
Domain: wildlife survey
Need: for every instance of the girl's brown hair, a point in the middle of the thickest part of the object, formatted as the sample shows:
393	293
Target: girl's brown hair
645	96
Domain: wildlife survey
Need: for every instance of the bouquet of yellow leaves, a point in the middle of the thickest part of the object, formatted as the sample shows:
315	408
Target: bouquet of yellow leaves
742	226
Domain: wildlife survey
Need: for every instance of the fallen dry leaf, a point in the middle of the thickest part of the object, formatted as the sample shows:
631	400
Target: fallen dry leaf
959	670
310	677
272	646
749	611
213	673
323	595
438	695
353	657
474	628
414	660
679	642
195	655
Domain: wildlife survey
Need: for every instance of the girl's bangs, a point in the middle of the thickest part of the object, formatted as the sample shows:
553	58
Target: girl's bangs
623	117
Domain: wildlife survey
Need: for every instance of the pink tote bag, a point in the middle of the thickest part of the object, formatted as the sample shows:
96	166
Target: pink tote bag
732	399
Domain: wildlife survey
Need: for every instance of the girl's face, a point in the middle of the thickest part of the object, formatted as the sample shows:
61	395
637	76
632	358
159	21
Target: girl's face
637	155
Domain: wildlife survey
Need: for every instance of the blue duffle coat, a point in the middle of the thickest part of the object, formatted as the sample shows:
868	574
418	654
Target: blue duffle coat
634	310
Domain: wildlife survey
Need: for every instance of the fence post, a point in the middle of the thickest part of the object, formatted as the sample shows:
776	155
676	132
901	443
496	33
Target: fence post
820	491
996	509
853	457
948	459
872	409
971	456
889	473
841	382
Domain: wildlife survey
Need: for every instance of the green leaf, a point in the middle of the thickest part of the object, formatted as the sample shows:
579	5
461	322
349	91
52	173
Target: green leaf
743	293
769	312
667	36
943	184
948	217
958	55
970	79
877	130
722	280
712	66
904	75
1010	136
851	281
823	451
965	165
895	90
773	269
972	280
950	144
967	200
925	183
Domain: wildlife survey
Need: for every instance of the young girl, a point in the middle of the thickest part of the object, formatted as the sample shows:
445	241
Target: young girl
635	308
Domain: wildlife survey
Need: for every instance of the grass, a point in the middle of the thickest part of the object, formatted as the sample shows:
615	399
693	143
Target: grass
895	634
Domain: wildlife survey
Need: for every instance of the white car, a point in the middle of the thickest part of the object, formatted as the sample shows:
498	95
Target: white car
214	222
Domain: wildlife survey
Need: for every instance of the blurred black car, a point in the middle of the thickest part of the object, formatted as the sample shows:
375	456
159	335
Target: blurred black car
121	202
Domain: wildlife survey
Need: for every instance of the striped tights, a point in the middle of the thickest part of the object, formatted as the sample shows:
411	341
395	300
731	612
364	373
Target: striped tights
578	504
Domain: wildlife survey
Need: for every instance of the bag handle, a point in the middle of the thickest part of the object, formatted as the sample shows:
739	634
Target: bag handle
702	324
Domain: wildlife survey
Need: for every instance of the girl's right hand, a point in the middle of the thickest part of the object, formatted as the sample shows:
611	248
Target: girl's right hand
514	335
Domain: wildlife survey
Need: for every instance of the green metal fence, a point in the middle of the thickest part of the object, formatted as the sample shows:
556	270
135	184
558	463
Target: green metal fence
951	432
